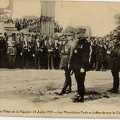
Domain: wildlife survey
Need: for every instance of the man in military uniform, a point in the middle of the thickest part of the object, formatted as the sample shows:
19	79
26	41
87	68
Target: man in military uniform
44	62
115	56
11	51
5	37
38	52
79	63
66	53
26	51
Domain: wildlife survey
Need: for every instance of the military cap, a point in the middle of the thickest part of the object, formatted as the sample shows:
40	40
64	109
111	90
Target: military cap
69	33
81	34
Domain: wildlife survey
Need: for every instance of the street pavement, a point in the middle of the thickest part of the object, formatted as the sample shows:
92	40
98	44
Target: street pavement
35	93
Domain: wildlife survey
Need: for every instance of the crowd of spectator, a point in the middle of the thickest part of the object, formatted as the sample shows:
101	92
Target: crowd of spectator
43	52
24	23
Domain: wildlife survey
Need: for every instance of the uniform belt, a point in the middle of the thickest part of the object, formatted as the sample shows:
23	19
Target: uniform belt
65	54
11	46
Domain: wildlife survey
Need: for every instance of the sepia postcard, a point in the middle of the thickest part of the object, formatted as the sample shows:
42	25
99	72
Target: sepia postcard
59	59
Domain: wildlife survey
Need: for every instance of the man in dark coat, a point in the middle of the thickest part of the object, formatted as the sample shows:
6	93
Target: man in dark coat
2	52
56	55
100	57
39	53
44	61
93	56
115	56
79	63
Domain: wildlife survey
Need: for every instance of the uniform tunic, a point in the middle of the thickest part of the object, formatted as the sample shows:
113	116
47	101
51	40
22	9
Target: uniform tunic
11	52
66	54
64	64
79	63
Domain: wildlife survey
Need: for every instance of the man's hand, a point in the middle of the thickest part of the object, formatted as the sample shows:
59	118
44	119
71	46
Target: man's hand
21	54
82	70
33	55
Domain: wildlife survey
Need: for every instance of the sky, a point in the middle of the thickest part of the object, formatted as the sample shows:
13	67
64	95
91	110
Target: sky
98	15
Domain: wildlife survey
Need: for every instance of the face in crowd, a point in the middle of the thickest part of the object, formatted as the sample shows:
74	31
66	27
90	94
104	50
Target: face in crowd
77	35
70	37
